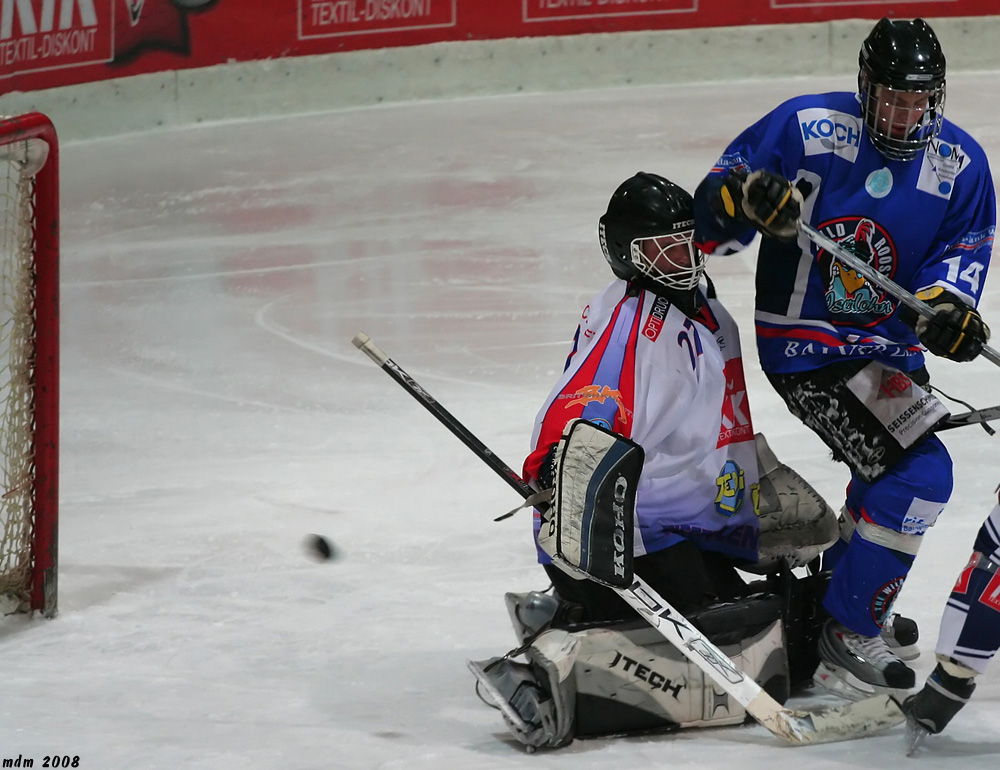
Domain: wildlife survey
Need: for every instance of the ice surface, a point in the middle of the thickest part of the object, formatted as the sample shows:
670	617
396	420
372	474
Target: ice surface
215	412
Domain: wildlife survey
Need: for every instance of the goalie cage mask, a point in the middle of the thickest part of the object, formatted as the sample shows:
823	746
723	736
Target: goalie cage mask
647	235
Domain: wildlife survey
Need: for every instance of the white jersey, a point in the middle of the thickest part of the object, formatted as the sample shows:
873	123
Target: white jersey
970	625
674	385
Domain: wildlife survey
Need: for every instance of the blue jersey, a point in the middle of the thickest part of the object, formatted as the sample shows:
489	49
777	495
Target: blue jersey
924	222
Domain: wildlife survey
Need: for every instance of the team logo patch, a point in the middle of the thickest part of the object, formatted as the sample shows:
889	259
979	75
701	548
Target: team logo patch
883	600
732	488
851	299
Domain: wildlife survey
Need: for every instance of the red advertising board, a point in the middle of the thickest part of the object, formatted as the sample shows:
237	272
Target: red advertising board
46	43
343	18
560	10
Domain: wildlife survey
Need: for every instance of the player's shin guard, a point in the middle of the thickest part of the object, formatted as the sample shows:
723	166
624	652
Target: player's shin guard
889	517
872	568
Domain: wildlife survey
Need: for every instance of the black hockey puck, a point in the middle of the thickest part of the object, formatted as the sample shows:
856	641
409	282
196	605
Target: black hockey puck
319	548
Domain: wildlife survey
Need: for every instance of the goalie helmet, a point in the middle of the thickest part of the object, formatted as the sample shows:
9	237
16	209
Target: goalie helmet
647	235
902	87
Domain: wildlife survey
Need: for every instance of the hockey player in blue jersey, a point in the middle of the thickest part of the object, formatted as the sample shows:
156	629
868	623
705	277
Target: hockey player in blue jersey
968	639
884	173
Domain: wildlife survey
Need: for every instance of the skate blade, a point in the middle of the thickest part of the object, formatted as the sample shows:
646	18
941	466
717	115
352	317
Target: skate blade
915	737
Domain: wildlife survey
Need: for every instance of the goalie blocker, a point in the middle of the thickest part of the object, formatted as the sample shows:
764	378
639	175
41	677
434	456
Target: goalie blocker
621	677
589	524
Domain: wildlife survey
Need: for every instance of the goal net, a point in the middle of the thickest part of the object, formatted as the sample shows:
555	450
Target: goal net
29	364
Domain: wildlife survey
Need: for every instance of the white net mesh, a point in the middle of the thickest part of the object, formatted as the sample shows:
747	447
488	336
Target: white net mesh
18	162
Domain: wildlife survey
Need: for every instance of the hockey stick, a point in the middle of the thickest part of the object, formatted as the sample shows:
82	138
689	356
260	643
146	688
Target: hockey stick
844	722
363	343
975	417
852	260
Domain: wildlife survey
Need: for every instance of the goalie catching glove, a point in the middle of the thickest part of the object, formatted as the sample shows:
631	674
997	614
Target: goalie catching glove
767	201
956	331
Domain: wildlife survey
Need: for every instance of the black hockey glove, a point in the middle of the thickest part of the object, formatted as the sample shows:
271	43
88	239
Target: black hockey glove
767	201
547	470
956	331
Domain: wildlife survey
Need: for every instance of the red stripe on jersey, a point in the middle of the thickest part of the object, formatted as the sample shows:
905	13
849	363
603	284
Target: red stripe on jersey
798	333
991	594
962	584
576	394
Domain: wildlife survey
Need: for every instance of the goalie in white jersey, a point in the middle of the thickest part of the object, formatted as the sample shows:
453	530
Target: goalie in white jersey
656	359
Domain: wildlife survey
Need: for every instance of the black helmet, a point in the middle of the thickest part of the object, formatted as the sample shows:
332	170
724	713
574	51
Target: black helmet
646	218
902	87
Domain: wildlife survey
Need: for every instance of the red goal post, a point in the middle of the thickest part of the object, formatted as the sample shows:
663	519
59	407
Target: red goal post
29	364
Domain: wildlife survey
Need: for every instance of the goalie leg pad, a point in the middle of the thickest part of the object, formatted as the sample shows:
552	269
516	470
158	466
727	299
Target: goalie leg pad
625	677
628	678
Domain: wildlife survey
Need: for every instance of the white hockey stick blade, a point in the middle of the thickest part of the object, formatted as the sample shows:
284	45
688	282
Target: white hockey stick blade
837	723
845	722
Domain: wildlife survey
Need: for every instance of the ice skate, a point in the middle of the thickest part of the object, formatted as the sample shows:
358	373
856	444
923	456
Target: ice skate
856	666
901	635
930	710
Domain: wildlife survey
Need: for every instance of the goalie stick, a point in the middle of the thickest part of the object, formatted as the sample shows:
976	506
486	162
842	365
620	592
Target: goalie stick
885	283
836	723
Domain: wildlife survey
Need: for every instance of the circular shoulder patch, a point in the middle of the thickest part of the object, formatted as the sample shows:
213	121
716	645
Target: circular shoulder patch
879	183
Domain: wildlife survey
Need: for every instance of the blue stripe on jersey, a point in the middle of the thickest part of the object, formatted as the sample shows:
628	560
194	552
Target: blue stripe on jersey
609	370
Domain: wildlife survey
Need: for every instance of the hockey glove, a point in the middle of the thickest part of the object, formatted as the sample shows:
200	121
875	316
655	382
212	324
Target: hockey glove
767	201
956	331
